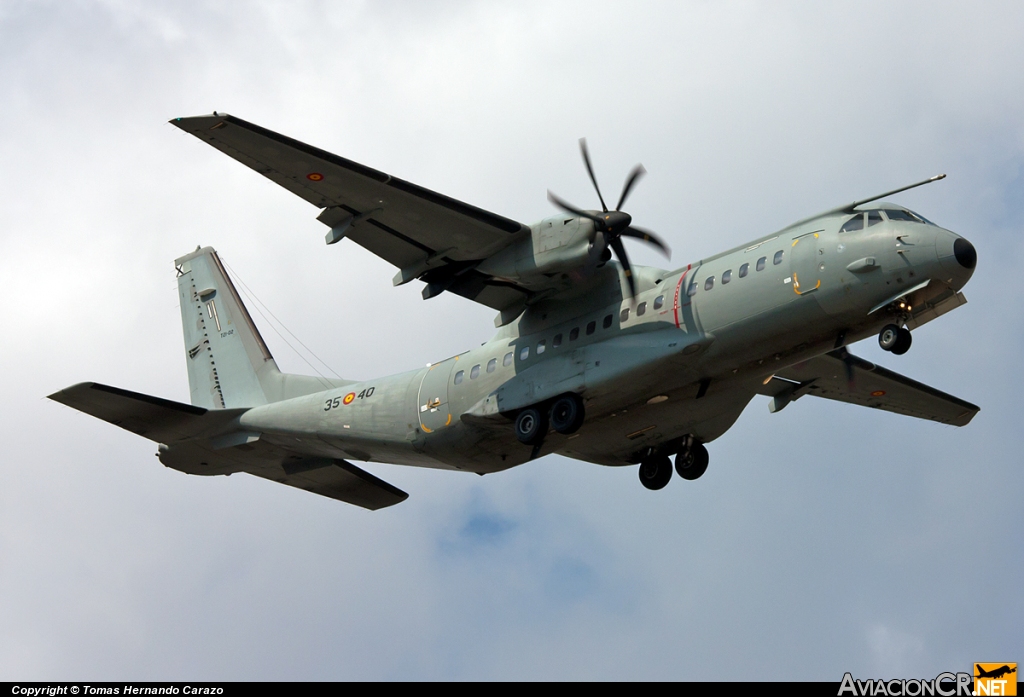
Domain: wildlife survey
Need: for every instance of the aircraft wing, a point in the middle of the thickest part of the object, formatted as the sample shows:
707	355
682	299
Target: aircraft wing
425	234
846	378
203	441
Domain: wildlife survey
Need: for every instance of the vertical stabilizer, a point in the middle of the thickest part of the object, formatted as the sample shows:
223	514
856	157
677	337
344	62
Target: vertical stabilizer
229	364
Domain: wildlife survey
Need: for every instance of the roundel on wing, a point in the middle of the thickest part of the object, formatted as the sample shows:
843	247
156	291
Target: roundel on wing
315	177
349	397
876	393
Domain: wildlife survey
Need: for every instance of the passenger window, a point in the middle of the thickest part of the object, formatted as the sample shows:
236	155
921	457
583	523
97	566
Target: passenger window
726	277
692	290
591	326
641	309
624	315
853	224
574	334
524	353
475	372
743	270
659	301
459	375
760	263
709	283
542	347
874	218
778	257
607	321
557	341
492	364
507	360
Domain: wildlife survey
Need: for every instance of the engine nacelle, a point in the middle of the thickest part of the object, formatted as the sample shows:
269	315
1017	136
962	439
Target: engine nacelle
559	246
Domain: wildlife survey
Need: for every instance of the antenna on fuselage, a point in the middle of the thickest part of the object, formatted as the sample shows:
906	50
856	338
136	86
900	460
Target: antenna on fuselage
849	207
853	205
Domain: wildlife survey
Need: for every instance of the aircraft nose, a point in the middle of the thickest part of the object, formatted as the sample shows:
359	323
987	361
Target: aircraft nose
957	256
964	253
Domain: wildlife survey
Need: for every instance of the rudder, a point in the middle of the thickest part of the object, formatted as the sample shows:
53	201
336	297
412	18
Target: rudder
229	364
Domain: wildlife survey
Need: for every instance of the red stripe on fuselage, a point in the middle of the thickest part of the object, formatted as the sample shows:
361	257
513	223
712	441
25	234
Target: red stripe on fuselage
675	301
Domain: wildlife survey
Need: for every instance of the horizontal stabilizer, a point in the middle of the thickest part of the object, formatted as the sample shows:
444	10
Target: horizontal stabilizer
157	419
335	479
857	381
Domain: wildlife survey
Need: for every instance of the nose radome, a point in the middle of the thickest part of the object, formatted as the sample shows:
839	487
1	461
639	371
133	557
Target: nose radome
965	253
957	256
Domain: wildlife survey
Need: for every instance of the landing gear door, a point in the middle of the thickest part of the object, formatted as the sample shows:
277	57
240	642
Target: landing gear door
433	397
807	262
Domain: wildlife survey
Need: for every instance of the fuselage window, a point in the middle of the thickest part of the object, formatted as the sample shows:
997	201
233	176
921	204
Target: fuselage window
641	309
743	270
709	283
853	224
726	277
659	301
524	353
557	341
874	218
574	334
507	360
607	321
624	315
492	364
475	372
591	326
692	289
542	347
778	257
459	375
760	263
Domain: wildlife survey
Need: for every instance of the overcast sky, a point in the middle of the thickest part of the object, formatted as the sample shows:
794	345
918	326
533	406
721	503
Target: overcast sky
823	539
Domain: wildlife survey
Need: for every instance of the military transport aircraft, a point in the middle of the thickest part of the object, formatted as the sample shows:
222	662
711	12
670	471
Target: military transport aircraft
594	359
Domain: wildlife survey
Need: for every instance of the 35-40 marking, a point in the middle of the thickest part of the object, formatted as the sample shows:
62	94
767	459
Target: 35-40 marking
347	399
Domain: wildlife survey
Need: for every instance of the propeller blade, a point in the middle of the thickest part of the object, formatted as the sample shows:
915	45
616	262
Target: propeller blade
568	208
620	252
637	172
648	237
847	359
590	171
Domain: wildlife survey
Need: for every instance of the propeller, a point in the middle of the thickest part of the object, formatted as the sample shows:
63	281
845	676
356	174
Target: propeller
614	224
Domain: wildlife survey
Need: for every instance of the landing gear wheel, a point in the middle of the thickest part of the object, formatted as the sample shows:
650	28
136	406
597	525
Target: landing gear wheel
655	471
531	426
903	340
567	414
692	462
888	337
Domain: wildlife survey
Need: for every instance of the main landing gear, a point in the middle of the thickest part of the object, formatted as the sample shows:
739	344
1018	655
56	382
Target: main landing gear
565	415
895	339
691	463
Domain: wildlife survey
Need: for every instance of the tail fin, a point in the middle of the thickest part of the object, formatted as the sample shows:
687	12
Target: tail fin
229	364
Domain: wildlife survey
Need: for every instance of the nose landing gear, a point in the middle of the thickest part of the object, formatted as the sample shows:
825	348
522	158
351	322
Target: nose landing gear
895	339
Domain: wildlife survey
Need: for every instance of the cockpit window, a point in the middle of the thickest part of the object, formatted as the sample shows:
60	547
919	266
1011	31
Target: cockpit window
874	218
854	223
896	214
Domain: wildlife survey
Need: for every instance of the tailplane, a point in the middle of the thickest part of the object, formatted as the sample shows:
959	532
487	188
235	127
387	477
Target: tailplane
229	364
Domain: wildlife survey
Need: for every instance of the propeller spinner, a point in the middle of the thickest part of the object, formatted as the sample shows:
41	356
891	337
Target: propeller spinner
614	224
